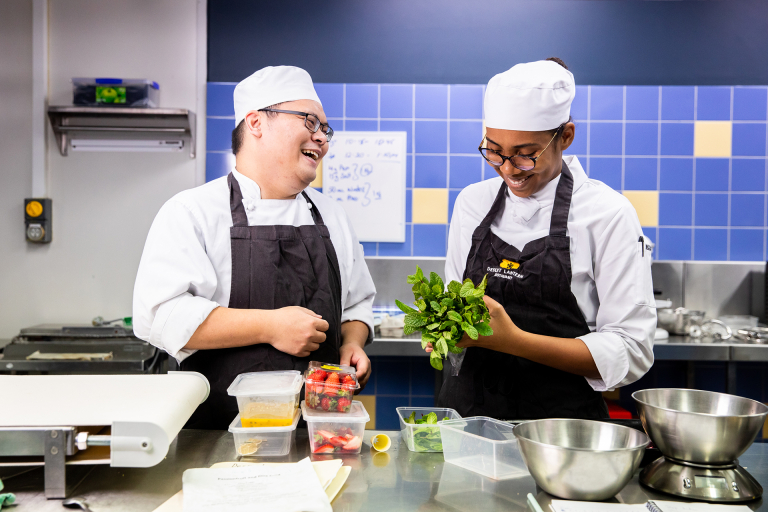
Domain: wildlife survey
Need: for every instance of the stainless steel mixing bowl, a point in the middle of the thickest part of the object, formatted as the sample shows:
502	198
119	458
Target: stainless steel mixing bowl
699	426
580	459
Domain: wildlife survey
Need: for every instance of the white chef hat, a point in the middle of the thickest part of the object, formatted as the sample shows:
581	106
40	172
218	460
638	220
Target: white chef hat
271	85
531	97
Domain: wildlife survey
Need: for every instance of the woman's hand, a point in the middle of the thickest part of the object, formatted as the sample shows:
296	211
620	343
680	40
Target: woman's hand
504	330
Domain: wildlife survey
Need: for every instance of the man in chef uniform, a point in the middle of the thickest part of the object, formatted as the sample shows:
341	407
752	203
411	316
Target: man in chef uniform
569	272
257	271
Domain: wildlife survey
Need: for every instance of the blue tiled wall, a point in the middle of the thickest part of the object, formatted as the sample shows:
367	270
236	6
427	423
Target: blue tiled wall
633	138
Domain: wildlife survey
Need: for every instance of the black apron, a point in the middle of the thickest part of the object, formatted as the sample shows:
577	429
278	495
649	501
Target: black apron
537	297
272	267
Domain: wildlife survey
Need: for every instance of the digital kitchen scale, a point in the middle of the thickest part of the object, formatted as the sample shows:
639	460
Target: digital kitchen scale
720	483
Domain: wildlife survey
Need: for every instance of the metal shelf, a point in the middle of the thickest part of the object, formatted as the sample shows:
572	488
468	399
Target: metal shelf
122	123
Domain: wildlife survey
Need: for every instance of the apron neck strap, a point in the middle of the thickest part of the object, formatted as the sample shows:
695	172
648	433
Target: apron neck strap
497	208
562	204
313	209
239	218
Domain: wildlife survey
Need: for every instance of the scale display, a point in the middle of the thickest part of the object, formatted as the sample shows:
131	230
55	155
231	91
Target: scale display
710	482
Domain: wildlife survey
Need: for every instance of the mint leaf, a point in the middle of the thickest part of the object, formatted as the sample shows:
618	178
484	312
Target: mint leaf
404	308
419	273
454	316
415	320
431	418
471	331
483	329
466	289
454	287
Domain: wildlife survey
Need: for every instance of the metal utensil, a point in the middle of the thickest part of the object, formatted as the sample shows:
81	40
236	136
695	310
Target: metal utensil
680	321
699	426
76	503
580	459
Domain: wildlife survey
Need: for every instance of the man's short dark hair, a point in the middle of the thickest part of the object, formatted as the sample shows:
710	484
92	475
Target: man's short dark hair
559	61
238	134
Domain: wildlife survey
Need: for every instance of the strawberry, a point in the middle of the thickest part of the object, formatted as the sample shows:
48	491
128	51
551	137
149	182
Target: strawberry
332	384
338	441
317	374
326	448
325	403
349	380
325	435
353	444
343	404
313	401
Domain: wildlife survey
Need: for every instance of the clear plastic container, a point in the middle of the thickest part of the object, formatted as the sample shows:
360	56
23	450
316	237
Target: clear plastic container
330	387
267	399
338	433
483	445
263	441
115	92
423	437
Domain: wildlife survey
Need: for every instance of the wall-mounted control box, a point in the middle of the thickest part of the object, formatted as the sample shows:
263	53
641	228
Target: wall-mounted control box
37	220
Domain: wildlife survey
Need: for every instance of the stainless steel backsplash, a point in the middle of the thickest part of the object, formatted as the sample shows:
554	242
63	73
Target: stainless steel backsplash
719	288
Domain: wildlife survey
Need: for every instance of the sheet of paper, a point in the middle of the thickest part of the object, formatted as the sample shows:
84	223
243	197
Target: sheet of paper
326	469
678	506
278	488
591	506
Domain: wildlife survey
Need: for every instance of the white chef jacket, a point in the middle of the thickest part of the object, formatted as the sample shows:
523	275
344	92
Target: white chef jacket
611	270
186	267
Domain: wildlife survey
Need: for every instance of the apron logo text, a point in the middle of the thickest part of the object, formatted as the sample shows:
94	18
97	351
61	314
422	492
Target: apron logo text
504	273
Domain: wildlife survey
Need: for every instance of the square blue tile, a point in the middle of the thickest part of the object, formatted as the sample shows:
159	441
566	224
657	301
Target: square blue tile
392	377
677	103
712	174
675	209
579	110
749	103
676	173
711	209
641	139
466	136
386	411
409	171
710	245
748	139
640	173
431	137
748	174
399	126
452	195
361	125
218	134
607	170
677	139
431	101
362	100
431	171
747	245
397	100
423	401
579	144
408	204
650	233
217	165
429	239
422	377
369	248
332	98
219	100
397	249
642	103
674	244
607	102
605	139
748	210
465	170
713	104
466	101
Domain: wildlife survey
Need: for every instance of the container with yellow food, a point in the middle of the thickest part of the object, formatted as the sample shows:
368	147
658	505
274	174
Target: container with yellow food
267	399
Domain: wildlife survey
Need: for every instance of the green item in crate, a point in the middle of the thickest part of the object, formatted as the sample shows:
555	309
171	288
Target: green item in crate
427	438
108	94
7	498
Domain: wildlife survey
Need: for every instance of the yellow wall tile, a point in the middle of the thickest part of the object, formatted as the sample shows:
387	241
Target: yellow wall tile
318	183
430	206
369	402
712	138
646	203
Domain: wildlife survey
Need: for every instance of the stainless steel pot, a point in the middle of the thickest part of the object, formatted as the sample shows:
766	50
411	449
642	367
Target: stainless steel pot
680	321
580	459
699	426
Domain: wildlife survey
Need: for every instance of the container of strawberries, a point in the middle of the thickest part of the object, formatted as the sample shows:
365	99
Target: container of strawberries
330	387
336	433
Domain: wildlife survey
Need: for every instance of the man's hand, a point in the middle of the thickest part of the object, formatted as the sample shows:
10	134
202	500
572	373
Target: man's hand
297	331
354	334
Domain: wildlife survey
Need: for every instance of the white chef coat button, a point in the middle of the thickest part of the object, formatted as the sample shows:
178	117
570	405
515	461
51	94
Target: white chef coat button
309	206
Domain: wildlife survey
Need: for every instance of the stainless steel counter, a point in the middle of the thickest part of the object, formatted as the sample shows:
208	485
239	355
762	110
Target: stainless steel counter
398	480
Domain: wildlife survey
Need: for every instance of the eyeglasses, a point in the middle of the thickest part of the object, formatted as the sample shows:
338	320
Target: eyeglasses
310	121
522	162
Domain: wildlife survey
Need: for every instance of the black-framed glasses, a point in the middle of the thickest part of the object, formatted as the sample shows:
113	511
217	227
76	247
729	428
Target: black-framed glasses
522	162
310	121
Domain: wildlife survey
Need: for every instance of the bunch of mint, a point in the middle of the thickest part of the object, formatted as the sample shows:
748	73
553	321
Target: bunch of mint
426	439
445	315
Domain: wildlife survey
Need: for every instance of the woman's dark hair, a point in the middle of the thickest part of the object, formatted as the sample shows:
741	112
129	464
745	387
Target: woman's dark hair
239	133
570	118
559	61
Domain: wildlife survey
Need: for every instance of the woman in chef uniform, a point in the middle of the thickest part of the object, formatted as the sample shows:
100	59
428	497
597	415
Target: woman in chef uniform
257	271
569	272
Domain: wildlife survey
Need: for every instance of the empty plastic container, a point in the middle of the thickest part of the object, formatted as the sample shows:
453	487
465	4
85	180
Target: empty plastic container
483	445
338	433
423	437
263	441
267	399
